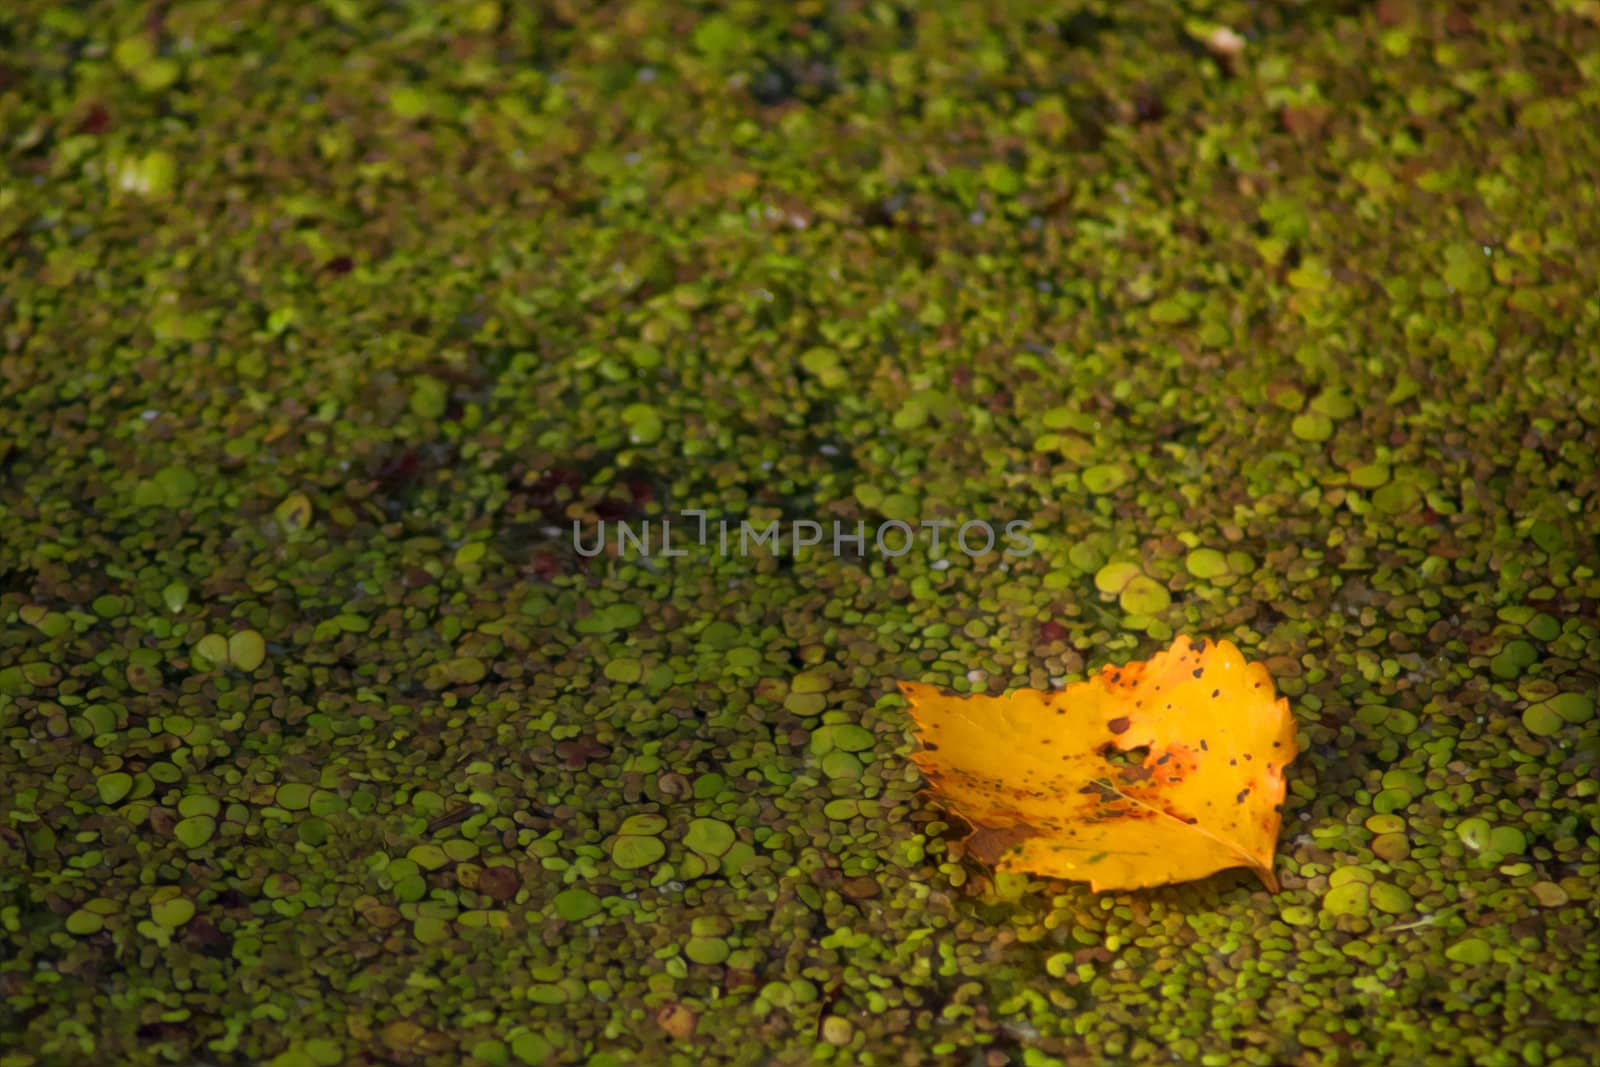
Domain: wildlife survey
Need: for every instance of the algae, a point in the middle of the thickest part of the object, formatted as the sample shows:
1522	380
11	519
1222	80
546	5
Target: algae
324	324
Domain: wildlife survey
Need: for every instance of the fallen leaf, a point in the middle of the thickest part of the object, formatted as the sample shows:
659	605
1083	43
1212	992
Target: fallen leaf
1147	774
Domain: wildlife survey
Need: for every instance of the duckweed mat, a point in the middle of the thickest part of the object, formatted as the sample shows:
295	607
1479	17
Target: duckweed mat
327	739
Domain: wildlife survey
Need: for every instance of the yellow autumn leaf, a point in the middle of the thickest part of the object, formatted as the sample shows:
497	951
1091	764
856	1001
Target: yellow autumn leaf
1146	774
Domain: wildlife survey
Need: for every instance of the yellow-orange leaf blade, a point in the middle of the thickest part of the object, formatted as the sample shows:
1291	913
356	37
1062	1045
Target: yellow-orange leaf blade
1045	780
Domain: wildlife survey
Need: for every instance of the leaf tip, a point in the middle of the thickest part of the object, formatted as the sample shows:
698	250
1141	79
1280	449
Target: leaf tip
1268	877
